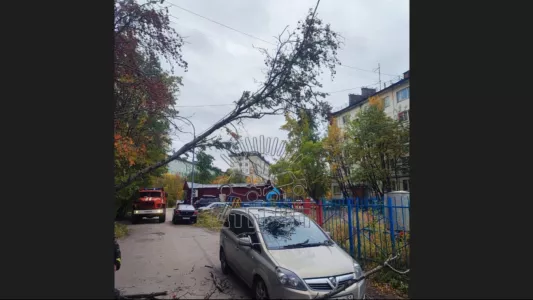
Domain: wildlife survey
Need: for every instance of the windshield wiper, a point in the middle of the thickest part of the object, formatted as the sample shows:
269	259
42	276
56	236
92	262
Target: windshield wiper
306	244
302	244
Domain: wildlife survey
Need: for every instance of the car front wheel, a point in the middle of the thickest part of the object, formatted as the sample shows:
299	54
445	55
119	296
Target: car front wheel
260	290
223	263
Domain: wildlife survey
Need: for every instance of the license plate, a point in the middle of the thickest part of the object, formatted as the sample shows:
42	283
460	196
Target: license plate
185	218
350	296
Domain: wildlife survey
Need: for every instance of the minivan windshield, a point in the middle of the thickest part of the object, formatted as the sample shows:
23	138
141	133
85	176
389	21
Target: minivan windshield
285	232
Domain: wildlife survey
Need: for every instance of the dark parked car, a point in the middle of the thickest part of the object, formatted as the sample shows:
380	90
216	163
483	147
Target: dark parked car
205	202
184	213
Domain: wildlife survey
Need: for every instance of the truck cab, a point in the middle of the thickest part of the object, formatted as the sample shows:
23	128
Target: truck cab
151	203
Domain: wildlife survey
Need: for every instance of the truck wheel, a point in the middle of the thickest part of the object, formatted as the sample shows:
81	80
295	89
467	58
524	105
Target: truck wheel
163	217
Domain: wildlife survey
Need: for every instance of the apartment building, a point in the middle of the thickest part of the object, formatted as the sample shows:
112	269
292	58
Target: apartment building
181	167
395	100
251	163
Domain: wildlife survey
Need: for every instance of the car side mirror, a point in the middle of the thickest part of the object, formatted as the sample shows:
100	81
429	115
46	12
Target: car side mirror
245	241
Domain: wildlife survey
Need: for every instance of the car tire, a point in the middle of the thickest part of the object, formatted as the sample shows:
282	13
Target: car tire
259	289
174	221
223	263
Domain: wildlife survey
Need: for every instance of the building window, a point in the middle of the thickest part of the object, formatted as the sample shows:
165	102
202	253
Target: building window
336	190
402	94
344	119
386	101
403	116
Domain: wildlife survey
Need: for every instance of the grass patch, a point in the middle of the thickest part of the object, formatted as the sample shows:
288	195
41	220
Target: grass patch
391	282
121	230
209	220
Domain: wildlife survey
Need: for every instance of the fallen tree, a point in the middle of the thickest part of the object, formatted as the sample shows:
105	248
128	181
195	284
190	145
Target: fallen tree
291	84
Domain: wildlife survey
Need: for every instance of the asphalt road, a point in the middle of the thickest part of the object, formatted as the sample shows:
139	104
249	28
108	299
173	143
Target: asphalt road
179	259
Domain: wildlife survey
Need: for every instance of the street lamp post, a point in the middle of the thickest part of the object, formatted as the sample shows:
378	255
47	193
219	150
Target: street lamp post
193	165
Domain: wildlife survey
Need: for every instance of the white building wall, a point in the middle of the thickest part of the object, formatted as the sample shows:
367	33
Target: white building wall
392	110
251	165
348	115
395	107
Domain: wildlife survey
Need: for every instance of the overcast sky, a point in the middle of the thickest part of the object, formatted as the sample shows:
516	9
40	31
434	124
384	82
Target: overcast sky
223	63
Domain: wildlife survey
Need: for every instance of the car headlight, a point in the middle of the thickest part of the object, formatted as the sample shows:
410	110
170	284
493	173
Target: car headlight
357	270
290	280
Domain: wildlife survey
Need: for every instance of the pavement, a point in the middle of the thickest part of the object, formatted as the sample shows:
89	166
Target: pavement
180	259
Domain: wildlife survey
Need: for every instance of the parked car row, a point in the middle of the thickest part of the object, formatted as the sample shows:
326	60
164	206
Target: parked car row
213	205
189	213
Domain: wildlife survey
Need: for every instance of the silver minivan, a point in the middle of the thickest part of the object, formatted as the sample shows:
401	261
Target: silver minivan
282	254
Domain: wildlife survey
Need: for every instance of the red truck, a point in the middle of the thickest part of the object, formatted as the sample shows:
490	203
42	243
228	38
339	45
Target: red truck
152	202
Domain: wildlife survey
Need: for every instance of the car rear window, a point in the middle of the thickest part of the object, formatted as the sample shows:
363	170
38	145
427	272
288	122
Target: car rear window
186	206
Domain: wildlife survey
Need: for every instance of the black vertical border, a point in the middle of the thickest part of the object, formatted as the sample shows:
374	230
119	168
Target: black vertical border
57	137
470	202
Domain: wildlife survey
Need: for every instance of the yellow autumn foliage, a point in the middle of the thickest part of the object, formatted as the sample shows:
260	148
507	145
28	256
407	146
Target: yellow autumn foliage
376	101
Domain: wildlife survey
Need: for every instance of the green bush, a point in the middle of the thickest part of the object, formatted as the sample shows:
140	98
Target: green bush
121	230
209	220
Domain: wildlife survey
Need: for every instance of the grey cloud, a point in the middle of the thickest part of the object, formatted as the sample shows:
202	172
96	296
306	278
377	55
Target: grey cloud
223	63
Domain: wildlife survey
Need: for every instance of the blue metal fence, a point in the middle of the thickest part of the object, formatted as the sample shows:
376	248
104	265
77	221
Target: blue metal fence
369	229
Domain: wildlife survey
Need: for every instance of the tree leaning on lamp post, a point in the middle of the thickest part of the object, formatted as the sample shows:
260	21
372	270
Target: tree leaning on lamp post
292	82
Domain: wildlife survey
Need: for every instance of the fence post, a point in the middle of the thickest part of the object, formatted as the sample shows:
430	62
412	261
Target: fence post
357	229
391	226
350	226
319	217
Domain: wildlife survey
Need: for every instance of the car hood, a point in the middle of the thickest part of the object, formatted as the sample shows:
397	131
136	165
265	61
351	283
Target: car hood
321	261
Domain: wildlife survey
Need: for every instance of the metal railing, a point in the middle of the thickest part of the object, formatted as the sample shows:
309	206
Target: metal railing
369	229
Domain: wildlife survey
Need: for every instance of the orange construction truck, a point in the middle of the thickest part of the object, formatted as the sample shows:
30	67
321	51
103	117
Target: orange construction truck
152	202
